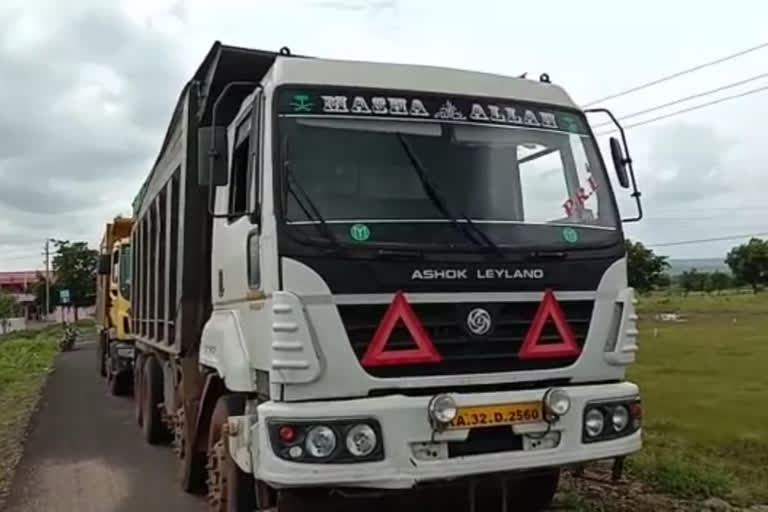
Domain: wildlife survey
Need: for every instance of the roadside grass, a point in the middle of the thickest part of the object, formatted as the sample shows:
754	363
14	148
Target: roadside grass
25	359
704	383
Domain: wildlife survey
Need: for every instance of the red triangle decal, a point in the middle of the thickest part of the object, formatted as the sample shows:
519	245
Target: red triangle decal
425	351
549	308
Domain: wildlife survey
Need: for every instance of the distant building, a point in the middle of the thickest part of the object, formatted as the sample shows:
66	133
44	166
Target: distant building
21	286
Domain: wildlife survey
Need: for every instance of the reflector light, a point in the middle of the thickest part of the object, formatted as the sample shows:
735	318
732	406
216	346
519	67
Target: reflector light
425	351
567	347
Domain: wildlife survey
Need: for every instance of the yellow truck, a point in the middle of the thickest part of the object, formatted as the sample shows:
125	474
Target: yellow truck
113	306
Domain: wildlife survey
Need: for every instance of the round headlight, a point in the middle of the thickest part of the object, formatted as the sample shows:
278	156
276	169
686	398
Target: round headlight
557	401
442	409
594	422
361	440
321	441
620	418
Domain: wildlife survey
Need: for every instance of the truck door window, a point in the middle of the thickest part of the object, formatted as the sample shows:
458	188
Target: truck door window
238	180
115	266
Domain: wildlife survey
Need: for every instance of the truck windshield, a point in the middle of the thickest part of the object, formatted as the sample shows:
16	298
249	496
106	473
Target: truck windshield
364	178
125	271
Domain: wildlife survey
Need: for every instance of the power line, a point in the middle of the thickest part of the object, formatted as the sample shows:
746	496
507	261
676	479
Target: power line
689	109
704	240
687	98
677	74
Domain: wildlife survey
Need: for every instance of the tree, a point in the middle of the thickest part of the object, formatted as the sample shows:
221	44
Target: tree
75	268
646	269
719	280
749	263
40	295
7	308
691	280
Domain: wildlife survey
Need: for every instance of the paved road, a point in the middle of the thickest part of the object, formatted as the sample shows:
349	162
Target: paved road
85	452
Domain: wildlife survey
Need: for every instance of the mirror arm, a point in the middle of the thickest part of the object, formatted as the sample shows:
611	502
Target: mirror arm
628	160
212	153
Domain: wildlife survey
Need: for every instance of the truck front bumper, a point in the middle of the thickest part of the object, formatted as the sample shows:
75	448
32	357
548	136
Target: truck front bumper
413	451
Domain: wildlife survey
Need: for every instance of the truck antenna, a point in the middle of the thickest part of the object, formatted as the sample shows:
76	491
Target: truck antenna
523	75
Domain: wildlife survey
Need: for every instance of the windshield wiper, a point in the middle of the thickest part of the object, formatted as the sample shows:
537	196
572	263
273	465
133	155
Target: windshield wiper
439	202
399	254
308	206
546	255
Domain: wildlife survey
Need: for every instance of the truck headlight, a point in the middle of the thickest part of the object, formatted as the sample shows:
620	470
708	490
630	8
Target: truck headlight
594	422
606	420
442	409
557	401
361	440
620	418
327	441
321	442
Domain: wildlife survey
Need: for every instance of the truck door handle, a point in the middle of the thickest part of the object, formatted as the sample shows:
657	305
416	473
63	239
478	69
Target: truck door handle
221	283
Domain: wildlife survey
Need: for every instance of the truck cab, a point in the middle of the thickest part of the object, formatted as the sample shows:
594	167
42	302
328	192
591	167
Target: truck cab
418	275
120	289
113	309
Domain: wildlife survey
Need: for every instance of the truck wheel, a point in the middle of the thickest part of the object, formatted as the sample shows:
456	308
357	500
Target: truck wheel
138	387
152	422
536	492
229	488
101	354
119	383
530	493
191	464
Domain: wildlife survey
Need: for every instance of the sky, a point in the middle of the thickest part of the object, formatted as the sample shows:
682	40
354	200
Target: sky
87	89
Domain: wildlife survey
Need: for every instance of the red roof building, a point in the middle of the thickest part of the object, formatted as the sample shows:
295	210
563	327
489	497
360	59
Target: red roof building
21	286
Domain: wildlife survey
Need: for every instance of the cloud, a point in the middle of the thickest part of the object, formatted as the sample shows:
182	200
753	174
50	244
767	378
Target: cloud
85	96
87	88
689	161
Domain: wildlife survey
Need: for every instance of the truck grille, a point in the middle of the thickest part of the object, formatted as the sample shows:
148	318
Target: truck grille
461	351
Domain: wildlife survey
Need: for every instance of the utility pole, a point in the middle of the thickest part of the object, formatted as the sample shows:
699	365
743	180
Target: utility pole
47	279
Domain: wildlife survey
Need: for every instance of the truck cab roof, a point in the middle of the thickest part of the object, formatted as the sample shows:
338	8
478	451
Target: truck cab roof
411	77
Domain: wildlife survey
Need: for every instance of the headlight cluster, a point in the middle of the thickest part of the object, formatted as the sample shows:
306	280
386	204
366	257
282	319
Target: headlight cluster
604	421
327	442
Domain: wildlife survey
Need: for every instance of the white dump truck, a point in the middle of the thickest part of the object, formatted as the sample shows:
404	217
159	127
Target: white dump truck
353	280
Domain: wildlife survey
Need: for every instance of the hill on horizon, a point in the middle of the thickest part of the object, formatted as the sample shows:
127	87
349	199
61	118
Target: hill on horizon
680	265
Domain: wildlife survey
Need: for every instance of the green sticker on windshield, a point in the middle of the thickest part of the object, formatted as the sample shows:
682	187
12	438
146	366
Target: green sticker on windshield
570	123
301	103
570	235
360	232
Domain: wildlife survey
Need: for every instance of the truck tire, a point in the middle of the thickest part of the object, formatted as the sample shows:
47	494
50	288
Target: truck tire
229	488
191	463
119	384
539	491
152	426
101	354
530	493
138	388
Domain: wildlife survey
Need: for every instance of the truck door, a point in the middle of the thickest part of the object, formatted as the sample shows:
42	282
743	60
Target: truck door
233	272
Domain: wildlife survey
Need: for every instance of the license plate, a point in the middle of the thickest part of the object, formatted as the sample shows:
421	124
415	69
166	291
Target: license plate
495	415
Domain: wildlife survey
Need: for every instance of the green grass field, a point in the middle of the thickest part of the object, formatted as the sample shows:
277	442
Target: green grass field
25	358
704	383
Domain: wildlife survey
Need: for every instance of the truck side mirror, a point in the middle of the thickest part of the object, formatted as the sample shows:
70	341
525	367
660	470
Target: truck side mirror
619	162
105	264
212	156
